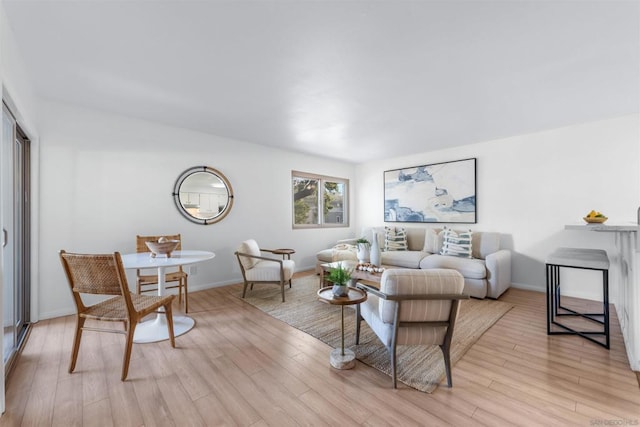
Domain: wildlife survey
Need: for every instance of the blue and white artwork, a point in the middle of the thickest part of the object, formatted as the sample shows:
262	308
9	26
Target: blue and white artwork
441	192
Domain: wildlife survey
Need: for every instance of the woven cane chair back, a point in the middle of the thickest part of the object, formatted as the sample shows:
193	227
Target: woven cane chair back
93	274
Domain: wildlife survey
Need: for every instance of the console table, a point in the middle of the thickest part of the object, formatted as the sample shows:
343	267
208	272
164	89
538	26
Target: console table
626	266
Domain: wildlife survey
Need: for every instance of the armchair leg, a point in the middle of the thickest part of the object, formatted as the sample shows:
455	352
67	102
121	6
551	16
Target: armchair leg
282	290
447	362
244	288
392	352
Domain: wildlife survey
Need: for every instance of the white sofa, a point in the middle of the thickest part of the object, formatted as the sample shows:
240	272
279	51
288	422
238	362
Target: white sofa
486	274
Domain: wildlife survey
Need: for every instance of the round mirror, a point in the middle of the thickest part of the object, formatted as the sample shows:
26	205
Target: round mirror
203	195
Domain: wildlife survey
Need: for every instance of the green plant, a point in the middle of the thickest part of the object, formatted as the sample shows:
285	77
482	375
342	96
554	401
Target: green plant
339	275
363	241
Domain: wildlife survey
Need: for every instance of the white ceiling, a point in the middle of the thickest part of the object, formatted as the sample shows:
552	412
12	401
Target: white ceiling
357	80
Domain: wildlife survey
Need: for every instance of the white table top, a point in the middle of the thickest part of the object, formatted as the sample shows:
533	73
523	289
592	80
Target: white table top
145	260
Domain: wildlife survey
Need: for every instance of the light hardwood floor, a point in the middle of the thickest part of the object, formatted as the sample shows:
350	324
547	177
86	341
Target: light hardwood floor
239	366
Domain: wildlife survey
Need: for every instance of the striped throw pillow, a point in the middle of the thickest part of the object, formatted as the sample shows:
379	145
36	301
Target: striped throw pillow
395	239
456	244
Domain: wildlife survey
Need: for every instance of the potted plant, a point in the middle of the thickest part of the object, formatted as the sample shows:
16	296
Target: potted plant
362	247
339	276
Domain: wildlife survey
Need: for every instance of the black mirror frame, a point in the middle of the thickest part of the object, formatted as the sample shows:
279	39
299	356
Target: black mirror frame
176	194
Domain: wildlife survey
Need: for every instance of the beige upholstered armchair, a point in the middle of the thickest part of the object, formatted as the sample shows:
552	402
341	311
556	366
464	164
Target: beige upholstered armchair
260	269
413	307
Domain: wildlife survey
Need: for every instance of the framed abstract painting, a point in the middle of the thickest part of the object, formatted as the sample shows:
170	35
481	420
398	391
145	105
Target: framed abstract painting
439	192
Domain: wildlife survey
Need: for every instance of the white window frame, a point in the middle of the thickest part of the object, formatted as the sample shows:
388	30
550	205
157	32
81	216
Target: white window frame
322	179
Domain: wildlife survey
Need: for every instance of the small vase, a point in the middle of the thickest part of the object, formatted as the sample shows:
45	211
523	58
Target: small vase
363	253
375	250
340	290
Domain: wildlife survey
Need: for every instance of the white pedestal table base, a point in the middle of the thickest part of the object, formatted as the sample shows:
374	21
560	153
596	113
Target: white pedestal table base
156	330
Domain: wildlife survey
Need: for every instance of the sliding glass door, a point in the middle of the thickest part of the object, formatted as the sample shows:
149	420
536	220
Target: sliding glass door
14	215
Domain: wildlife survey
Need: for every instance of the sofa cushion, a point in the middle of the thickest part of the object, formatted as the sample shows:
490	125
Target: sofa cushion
433	240
468	267
456	243
404	259
269	271
395	239
338	253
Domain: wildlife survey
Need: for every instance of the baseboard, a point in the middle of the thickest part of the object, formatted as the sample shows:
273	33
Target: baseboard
527	287
581	295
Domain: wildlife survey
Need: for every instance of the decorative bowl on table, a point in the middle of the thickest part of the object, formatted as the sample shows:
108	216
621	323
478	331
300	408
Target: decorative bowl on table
162	247
595	219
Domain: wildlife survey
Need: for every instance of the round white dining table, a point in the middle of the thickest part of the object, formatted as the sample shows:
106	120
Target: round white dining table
156	329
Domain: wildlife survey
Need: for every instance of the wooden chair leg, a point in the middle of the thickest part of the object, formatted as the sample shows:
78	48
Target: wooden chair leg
282	290
167	312
76	343
186	297
127	350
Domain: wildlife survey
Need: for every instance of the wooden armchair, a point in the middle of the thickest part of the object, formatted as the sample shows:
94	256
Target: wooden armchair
260	269
105	275
413	307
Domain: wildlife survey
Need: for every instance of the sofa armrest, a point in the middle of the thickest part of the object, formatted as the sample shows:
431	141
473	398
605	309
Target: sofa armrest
351	241
498	272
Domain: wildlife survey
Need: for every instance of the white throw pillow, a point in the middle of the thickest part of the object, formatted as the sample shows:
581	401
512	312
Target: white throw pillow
456	243
395	239
249	247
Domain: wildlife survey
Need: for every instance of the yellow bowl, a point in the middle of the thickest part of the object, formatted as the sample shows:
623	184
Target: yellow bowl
595	220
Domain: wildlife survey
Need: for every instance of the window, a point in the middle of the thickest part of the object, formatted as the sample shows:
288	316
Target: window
319	201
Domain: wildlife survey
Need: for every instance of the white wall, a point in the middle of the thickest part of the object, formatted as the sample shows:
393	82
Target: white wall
17	92
106	178
530	186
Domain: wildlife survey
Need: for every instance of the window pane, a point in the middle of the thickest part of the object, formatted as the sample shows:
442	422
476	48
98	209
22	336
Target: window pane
305	200
334	202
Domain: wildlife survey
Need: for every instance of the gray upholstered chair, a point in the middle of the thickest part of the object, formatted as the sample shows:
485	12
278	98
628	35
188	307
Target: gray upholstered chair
260	269
413	307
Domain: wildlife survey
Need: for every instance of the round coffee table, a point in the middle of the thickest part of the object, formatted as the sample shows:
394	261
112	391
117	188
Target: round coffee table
342	358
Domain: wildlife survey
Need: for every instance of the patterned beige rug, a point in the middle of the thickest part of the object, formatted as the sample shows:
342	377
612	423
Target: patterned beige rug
420	367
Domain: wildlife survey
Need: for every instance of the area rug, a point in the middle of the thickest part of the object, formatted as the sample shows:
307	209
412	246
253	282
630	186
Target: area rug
420	367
